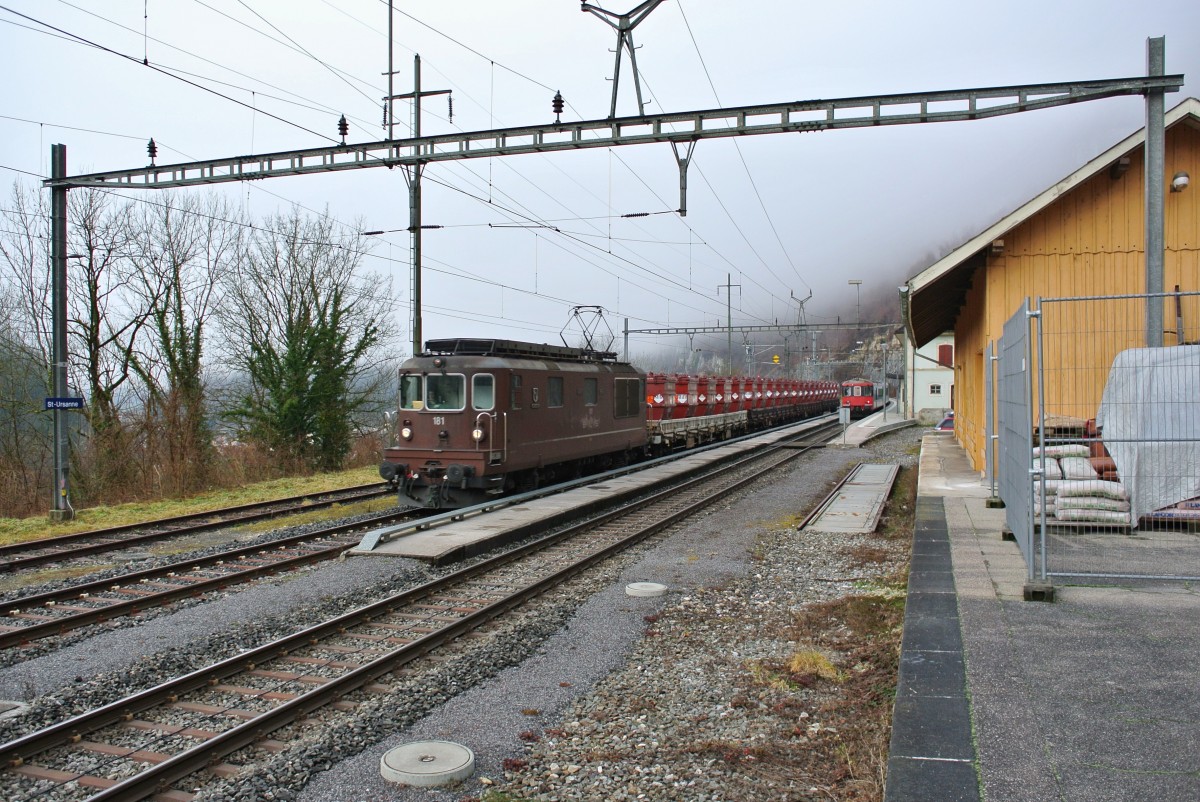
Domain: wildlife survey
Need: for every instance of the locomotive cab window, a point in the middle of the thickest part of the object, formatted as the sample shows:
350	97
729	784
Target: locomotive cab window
446	392
554	391
412	394
591	392
483	391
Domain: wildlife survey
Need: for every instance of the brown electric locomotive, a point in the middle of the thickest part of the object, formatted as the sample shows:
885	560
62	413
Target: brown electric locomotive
478	418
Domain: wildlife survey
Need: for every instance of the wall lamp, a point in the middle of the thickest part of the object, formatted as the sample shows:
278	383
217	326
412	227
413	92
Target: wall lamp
1180	181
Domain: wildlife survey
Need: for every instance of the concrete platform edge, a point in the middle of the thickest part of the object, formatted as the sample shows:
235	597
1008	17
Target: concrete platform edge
932	753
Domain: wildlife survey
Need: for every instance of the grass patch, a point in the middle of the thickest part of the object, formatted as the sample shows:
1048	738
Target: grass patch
25	579
898	514
17	530
495	796
868	555
805	668
810	661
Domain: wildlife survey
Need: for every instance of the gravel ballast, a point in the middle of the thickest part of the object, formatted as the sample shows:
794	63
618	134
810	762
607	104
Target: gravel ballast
732	573
544	701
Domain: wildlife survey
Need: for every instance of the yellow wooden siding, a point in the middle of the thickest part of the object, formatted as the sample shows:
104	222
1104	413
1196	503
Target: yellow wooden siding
1088	242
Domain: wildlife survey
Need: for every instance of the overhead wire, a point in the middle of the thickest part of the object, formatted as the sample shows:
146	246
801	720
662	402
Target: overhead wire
639	267
336	73
569	105
558	200
26	172
103	48
310	55
738	147
470	49
453	271
450	270
93	44
299	100
165	72
737	227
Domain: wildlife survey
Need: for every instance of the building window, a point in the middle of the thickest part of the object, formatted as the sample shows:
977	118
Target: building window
935	389
946	356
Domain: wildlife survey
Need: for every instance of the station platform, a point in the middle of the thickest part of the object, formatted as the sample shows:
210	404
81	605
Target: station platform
1089	698
860	431
451	537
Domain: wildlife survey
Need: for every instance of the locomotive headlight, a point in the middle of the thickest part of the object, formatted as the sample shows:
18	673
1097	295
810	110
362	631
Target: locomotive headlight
406	432
477	434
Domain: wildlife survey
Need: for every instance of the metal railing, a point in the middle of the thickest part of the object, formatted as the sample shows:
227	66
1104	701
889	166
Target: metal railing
1099	440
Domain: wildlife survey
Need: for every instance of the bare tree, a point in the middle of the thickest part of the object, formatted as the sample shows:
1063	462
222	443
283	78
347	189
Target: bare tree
24	426
105	317
25	251
25	455
185	246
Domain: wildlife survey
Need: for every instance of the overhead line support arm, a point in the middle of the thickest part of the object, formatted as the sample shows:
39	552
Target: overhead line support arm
679	127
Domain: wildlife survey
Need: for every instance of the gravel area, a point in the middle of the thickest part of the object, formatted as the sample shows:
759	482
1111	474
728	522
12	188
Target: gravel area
582	696
219	542
561	724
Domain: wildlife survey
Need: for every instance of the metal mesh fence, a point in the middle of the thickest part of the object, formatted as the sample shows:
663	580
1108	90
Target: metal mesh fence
1015	427
1117	434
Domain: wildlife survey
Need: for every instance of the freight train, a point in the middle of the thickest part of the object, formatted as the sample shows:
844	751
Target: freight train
480	418
863	397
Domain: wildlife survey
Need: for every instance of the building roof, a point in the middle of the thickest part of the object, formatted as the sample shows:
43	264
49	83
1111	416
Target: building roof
937	293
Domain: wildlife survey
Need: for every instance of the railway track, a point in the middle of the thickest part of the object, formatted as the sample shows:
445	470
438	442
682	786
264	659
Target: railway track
57	612
29	554
145	745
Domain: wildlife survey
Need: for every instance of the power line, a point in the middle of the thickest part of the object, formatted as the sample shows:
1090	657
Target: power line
25	172
80	39
165	72
337	73
588	245
619	159
581	242
298	98
737	147
451	271
470	49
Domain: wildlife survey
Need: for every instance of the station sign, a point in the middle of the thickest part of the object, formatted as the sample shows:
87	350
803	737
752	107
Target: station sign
64	403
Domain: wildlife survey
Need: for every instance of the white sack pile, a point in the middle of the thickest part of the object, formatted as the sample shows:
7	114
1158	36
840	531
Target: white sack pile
1072	491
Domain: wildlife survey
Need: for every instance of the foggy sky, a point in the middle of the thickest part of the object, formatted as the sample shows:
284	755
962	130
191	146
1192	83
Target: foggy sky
782	215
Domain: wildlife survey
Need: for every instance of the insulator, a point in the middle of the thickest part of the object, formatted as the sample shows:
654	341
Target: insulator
557	103
450	106
343	127
152	149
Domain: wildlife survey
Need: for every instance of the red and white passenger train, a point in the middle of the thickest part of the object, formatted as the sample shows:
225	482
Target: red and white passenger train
862	397
478	418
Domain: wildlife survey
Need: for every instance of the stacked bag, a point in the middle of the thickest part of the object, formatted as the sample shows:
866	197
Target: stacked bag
1073	491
